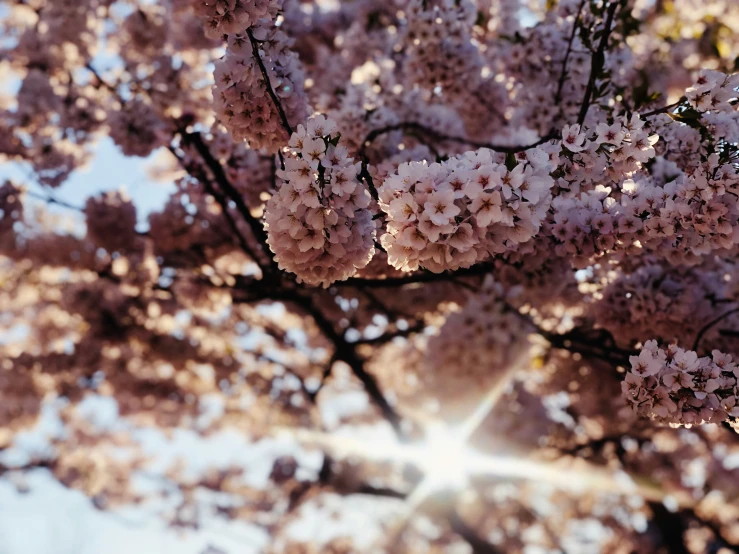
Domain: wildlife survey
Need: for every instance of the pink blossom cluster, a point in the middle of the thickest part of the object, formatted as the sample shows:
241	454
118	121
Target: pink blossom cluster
111	221
691	216
146	34
242	102
36	98
443	57
461	211
669	303
227	17
53	160
680	148
713	91
190	219
676	386
440	52
715	95
136	128
318	224
616	150
69	21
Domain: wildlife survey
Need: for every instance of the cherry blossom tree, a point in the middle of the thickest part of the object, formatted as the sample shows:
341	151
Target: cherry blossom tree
474	261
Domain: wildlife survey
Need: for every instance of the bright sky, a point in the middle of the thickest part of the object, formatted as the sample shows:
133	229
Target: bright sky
51	519
109	170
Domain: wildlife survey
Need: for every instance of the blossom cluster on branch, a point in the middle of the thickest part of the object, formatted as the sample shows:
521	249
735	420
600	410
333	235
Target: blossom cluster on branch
258	92
461	211
676	386
229	17
318	224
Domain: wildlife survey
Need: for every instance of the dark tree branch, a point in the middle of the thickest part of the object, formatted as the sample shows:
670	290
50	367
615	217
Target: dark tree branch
268	84
49	199
222	202
593	343
563	75
593	347
410	126
707	327
418	277
671	526
364	174
597	61
102	81
345	351
36	464
665	109
196	140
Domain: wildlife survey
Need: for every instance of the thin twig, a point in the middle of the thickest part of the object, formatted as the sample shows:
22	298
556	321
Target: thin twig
665	109
597	61
710	324
52	200
196	140
268	84
441	137
102	81
563	75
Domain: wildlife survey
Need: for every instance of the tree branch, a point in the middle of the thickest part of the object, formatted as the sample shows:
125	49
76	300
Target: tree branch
346	352
222	202
102	81
665	109
196	140
563	75
417	277
268	84
408	126
671	526
710	324
597	61
364	174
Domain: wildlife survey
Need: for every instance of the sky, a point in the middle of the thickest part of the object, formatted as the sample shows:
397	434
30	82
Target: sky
38	515
51	519
108	170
